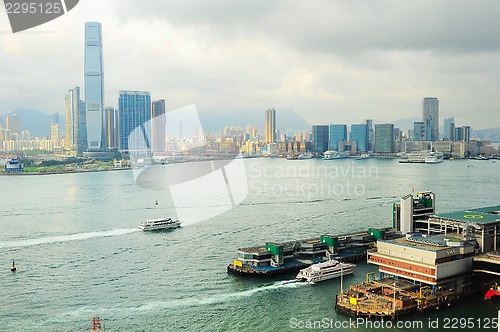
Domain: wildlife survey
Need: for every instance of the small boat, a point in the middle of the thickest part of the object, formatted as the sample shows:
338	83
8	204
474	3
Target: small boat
307	155
363	156
159	224
326	270
331	154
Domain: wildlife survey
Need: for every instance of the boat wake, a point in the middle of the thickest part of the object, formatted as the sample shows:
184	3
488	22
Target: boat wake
66	238
219	298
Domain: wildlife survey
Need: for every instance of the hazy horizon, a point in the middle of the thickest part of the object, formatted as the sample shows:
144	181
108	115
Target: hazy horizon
328	62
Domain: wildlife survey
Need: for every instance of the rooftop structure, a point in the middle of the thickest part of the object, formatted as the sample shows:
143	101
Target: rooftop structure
433	260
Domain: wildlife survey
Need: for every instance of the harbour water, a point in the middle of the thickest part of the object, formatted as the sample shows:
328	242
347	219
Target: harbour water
79	253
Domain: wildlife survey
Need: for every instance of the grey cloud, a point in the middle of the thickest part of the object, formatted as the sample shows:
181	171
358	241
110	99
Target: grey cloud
342	27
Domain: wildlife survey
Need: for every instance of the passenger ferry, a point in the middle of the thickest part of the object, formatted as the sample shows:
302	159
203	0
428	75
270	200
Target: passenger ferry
434	157
325	270
159	224
306	155
330	154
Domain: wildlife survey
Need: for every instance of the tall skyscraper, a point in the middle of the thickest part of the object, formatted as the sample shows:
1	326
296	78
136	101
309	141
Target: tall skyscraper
430	118
54	131
76	131
158	125
418	131
337	133
447	128
94	89
452	131
369	124
320	138
462	134
359	134
384	138
13	123
270	125
134	111
55	120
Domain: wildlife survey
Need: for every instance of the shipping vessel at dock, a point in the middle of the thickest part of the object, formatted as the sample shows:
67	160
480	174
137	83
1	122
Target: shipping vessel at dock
289	257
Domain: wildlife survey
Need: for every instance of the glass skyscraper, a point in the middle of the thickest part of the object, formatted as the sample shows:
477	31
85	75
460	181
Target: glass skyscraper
384	138
359	134
430	118
320	138
94	90
134	108
447	128
337	133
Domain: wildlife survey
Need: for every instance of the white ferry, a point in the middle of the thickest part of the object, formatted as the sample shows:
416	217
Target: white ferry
306	155
434	157
159	224
330	154
325	270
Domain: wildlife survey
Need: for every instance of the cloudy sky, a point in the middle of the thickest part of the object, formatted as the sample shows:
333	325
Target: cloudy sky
328	61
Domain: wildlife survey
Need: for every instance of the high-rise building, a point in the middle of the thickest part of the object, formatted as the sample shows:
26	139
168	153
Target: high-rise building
270	125
13	123
158	125
418	131
320	138
337	133
447	128
369	124
462	134
76	131
466	133
452	131
384	138
360	134
54	131
109	128
94	89
55	120
430	118
134	110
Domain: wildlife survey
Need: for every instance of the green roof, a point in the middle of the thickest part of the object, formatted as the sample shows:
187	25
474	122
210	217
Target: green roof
481	216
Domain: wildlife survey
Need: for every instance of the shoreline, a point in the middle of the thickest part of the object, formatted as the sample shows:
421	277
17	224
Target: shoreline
68	171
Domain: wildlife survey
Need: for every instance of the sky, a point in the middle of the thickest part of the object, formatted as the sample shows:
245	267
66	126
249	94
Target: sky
327	61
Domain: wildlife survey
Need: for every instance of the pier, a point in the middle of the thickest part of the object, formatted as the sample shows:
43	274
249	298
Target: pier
289	257
391	298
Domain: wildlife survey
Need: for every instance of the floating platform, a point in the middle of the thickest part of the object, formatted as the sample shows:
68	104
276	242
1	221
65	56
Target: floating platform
289	257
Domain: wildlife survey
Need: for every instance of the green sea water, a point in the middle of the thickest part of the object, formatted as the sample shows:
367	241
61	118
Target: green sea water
79	254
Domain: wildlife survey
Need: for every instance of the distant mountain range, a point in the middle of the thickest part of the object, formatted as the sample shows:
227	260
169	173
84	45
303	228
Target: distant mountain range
38	123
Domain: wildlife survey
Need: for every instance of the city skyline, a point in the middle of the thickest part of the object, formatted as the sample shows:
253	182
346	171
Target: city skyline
319	83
